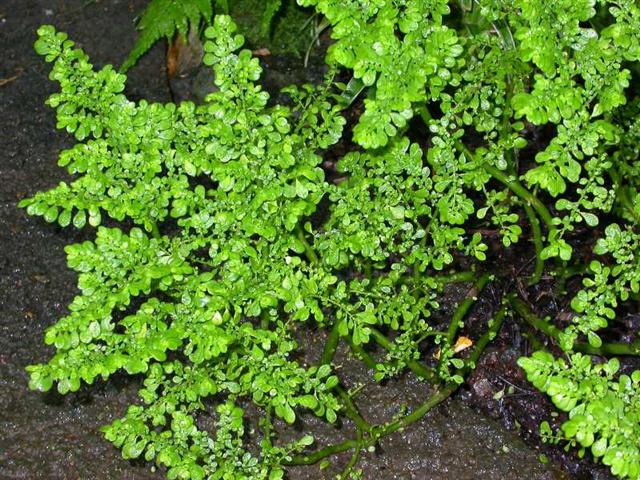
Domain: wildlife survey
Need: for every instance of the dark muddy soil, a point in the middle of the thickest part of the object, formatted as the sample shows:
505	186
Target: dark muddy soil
54	437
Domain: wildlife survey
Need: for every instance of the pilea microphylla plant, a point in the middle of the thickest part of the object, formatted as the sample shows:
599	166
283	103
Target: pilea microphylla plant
227	235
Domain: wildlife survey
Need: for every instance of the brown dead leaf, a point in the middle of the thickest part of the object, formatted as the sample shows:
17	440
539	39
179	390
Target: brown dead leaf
261	52
462	344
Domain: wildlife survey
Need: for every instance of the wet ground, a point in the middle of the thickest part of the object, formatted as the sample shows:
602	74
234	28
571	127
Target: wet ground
54	437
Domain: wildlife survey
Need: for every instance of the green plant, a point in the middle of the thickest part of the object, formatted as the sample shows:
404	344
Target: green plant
566	64
220	248
145	295
603	408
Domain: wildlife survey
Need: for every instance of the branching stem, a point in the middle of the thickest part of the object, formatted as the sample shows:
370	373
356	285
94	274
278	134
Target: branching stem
420	370
331	345
524	194
352	411
532	319
361	354
308	249
605	350
463	308
375	433
494	327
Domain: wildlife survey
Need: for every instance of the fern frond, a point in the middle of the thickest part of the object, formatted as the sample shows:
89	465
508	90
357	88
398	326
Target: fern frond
162	18
270	10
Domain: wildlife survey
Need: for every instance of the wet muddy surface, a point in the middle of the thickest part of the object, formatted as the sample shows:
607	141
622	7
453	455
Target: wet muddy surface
475	435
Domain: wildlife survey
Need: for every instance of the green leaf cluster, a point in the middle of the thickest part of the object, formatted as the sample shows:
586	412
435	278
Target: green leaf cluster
196	295
400	47
482	76
603	408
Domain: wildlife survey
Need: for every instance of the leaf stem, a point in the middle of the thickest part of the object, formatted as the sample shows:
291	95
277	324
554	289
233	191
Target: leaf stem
352	411
532	319
605	350
308	249
436	398
154	230
537	242
420	370
361	354
354	457
524	194
463	308
379	431
315	457
494	327
610	349
456	277
331	345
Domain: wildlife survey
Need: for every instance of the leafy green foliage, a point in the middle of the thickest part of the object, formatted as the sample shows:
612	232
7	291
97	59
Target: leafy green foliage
595	304
229	234
202	295
232	258
379	212
582	72
163	18
514	66
604	410
401	47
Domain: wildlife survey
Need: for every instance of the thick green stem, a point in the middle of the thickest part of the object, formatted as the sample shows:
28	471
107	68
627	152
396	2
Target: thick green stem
422	371
308	249
605	350
331	345
438	397
567	273
610	349
327	357
352	411
463	308
456	277
155	231
362	355
315	457
379	431
537	242
447	390
535	343
267	425
524	194
354	457
425	114
494	327
532	319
